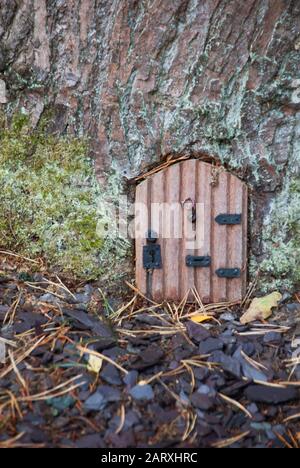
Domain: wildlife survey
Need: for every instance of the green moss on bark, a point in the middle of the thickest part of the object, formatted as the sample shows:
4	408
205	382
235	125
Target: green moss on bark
51	202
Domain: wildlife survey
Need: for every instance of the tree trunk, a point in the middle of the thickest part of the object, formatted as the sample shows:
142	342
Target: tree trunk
145	79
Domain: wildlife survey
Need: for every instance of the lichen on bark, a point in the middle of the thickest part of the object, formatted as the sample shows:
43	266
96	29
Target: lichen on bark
280	267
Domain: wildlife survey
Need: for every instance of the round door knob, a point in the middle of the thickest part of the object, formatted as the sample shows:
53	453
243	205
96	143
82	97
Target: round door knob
151	236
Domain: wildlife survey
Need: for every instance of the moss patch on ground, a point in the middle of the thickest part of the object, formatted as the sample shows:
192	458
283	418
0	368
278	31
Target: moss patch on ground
51	202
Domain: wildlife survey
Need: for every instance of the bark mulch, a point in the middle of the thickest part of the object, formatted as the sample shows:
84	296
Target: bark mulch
164	380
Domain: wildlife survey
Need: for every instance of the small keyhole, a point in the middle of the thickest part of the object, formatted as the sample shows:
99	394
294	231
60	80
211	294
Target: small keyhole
194	215
152	256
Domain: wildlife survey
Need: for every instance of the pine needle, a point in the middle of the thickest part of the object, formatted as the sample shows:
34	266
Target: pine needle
228	442
236	404
21	358
101	356
292	418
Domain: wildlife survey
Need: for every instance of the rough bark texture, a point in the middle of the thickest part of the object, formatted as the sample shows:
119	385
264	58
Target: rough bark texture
149	78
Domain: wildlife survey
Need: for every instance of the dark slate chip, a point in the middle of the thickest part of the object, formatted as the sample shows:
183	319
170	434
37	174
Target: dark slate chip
131	419
203	429
80	298
111	375
164	416
3	312
83	395
273	338
228	338
271	395
90	441
142	392
249	371
178	341
292	307
183	352
209	345
131	378
125	439
27	320
109	393
216	381
271	411
149	356
34	419
95	402
227	363
196	331
253	408
146	318
227	317
253	374
202	401
201	373
207	390
152	354
249	348
40	351
182	396
185	385
32	434
61	403
91	323
236	421
258	417
262	426
114	353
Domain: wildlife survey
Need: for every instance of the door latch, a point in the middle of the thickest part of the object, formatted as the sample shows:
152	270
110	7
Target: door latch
152	259
228	219
228	272
192	215
194	261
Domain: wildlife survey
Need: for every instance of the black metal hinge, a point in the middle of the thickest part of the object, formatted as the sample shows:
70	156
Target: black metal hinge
152	259
228	272
194	261
226	218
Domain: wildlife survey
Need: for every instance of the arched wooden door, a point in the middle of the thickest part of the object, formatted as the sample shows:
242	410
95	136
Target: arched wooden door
191	232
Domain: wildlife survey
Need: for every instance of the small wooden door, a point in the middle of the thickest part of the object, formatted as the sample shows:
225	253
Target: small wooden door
191	232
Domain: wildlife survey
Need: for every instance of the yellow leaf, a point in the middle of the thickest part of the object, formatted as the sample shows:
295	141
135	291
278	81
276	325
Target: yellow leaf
201	318
261	308
94	364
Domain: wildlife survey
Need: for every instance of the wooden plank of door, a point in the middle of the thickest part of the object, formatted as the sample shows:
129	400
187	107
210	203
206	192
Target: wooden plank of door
236	238
204	193
172	233
219	238
245	240
188	192
157	217
141	227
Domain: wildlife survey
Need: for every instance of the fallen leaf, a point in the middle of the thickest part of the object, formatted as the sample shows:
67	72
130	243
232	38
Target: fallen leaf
201	318
94	364
261	308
